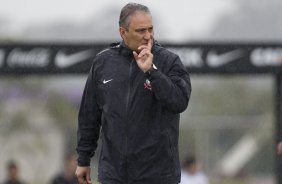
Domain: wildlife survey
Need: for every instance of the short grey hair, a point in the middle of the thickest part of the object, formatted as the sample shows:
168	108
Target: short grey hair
129	10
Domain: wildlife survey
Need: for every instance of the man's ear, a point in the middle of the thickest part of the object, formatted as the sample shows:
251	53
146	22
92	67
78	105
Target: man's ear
122	31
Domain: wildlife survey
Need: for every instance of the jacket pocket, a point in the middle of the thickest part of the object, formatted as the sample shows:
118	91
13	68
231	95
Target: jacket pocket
168	171
171	150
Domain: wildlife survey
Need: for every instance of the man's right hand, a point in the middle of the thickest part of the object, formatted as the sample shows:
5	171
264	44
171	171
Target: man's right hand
83	175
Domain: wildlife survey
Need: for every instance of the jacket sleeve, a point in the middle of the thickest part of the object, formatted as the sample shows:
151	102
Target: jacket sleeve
173	89
89	121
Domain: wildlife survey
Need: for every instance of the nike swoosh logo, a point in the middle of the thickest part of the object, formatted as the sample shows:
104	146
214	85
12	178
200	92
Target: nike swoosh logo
63	60
216	60
106	81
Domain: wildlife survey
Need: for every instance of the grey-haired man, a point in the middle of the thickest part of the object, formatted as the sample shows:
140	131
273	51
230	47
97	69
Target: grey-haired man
132	98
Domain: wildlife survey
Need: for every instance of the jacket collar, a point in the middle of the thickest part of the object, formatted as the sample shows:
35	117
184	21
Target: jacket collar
125	50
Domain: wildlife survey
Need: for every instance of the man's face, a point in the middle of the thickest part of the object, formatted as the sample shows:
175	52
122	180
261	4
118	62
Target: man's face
13	173
140	31
192	169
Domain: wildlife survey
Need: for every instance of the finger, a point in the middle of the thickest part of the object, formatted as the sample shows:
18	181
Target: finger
143	47
135	55
88	178
80	180
150	42
144	52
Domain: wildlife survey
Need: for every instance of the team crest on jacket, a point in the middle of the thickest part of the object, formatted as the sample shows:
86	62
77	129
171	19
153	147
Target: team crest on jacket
147	85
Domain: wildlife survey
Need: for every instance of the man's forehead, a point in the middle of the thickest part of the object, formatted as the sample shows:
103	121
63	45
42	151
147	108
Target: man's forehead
140	18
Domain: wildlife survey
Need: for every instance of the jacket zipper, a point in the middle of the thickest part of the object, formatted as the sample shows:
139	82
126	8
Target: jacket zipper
127	115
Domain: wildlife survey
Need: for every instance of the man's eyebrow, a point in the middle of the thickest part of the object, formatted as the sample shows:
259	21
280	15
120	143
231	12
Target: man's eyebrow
143	29
140	29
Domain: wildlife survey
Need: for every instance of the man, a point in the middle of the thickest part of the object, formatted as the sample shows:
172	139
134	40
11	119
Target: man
191	172
12	174
134	92
67	177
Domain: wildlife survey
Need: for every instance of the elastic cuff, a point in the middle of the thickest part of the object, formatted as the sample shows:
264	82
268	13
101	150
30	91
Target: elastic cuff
83	161
153	74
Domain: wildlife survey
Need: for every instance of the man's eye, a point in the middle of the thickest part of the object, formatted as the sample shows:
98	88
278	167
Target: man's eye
141	30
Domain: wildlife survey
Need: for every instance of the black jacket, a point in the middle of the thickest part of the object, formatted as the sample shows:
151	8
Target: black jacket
139	118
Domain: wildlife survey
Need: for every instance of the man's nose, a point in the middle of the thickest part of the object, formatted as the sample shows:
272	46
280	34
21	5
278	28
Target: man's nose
147	35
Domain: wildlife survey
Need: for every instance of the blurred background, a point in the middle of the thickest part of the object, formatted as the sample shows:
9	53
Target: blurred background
229	124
